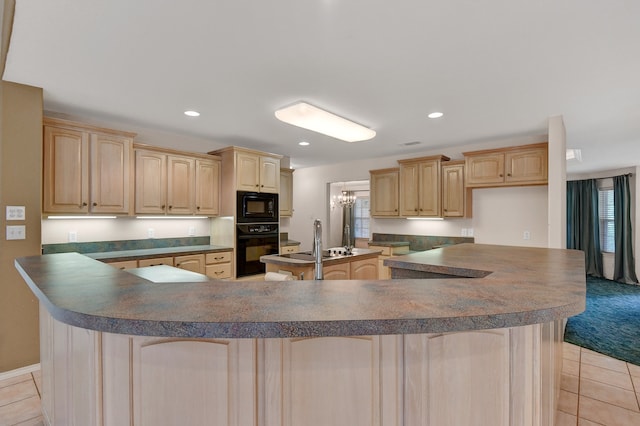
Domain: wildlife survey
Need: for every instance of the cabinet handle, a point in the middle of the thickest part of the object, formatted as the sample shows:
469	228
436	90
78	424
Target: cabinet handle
257	185
95	204
500	175
198	208
508	174
82	205
162	207
170	207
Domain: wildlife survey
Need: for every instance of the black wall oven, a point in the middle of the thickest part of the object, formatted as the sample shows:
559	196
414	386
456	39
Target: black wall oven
255	207
252	241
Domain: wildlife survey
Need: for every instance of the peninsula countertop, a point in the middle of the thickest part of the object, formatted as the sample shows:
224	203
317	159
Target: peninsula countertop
519	286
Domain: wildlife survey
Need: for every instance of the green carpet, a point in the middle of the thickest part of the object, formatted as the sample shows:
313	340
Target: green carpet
611	323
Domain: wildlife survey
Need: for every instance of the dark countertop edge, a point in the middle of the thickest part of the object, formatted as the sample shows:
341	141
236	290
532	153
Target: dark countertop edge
389	243
284	243
114	256
570	301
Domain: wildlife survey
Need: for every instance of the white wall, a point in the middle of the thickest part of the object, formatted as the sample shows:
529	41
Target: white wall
500	215
123	228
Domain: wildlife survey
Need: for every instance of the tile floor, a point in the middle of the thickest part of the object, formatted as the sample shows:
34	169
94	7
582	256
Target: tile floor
595	390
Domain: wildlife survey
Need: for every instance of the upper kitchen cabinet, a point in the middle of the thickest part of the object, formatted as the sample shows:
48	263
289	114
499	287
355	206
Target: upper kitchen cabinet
86	169
513	166
246	170
384	192
421	186
456	198
286	193
172	182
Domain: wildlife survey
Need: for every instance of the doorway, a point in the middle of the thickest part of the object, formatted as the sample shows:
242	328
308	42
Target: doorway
357	216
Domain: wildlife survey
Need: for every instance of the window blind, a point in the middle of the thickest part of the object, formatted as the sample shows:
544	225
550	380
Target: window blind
607	225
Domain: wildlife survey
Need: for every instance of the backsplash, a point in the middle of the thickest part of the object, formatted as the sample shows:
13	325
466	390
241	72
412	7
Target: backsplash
421	242
105	246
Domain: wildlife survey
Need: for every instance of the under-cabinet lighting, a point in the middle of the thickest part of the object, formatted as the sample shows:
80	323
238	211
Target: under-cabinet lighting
425	218
172	217
82	217
318	120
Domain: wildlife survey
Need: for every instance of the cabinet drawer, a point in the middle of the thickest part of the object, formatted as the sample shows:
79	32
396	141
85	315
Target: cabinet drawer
220	257
219	271
155	261
289	249
124	264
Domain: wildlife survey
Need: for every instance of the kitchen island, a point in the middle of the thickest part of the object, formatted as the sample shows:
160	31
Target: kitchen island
118	349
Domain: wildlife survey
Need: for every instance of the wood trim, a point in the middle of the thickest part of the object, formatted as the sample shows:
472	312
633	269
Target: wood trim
59	122
420	159
176	152
508	148
246	150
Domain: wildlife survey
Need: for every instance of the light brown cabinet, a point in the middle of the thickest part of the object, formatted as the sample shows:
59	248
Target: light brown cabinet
86	169
290	249
190	262
258	173
172	183
125	264
365	269
384	273
384	192
285	199
421	186
456	198
513	166
156	261
340	271
219	265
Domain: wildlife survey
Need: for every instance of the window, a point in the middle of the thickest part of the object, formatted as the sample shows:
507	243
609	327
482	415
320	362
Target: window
361	215
607	228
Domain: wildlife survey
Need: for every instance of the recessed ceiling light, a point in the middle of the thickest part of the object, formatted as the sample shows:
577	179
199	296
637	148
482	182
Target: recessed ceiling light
312	118
435	114
192	113
303	143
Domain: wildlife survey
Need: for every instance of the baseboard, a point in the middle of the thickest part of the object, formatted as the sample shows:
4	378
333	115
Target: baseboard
19	371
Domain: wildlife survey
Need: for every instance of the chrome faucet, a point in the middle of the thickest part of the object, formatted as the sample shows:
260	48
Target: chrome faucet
317	249
348	248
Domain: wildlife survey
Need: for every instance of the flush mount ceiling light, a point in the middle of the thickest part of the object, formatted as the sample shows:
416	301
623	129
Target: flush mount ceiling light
574	154
191	113
435	114
318	120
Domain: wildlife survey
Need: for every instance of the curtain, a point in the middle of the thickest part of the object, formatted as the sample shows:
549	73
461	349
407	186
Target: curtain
348	218
624	269
583	223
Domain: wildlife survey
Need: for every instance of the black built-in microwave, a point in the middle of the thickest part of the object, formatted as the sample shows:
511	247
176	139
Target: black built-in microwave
255	207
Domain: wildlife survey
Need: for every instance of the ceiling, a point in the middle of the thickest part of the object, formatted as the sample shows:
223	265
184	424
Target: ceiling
498	69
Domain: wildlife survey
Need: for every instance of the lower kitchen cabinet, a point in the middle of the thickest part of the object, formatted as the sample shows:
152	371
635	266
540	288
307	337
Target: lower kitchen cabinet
219	265
156	261
124	264
384	273
336	272
366	269
190	262
290	249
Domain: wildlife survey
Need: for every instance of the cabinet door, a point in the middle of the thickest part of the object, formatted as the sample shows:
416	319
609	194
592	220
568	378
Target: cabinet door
110	174
453	191
384	193
285	199
336	272
409	181
192	262
429	189
527	166
484	170
66	170
181	185
151	182
125	264
366	269
207	187
247	172
269	175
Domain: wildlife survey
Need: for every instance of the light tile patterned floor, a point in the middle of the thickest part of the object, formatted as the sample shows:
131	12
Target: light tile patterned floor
595	390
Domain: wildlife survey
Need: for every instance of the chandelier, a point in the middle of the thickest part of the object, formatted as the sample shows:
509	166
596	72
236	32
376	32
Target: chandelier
346	199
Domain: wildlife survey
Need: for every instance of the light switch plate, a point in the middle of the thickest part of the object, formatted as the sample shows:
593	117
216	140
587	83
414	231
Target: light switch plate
16	213
16	232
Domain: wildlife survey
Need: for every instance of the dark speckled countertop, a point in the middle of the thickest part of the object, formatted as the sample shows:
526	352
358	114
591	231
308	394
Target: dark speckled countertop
114	256
525	286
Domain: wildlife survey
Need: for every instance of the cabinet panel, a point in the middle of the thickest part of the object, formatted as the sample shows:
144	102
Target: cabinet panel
151	182
384	192
269	175
429	189
421	186
111	183
366	269
336	272
485	169
124	264
453	191
207	187
409	181
285	200
247	172
66	170
192	262
180	185
527	165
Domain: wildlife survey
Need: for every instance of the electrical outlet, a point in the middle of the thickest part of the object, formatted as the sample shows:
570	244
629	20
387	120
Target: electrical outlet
470	232
526	235
73	236
463	232
151	233
16	232
16	213
192	231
